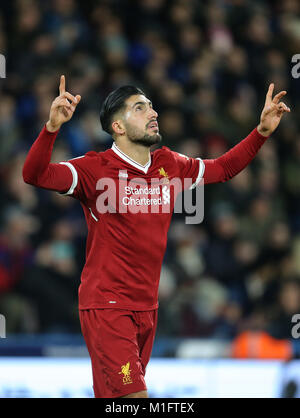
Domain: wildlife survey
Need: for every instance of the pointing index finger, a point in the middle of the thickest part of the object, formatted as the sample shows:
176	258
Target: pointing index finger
62	85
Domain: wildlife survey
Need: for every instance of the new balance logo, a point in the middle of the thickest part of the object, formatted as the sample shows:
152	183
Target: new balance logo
123	174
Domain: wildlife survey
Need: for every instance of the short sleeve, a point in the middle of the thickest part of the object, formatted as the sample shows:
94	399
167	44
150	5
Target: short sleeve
189	168
83	179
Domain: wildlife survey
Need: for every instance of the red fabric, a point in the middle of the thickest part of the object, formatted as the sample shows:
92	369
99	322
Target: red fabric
125	250
120	344
13	261
38	170
5	279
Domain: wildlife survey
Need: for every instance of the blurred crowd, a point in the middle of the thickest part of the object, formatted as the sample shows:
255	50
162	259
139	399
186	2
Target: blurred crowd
206	65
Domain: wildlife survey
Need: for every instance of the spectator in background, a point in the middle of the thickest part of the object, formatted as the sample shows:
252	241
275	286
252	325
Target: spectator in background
16	256
284	307
52	281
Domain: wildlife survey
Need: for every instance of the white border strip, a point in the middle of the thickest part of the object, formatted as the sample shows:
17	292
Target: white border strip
200	174
75	178
93	215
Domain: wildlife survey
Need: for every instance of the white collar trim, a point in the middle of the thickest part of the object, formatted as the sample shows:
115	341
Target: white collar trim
129	160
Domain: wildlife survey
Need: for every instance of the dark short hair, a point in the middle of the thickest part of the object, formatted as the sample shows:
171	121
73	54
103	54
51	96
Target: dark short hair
114	102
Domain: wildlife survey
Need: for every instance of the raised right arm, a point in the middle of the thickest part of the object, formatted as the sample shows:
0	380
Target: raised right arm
37	169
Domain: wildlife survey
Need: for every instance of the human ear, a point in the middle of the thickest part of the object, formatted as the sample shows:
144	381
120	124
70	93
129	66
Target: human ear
118	127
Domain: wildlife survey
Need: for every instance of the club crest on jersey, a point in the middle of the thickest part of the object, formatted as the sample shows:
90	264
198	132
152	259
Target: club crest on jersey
125	370
162	172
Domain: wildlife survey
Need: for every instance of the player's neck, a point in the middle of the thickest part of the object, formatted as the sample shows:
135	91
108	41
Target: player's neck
137	152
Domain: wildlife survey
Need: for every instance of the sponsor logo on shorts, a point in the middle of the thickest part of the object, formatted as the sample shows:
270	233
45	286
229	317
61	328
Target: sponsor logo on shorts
125	370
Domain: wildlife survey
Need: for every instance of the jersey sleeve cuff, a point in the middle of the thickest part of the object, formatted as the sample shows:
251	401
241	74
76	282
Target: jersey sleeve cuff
200	173
48	132
260	136
75	179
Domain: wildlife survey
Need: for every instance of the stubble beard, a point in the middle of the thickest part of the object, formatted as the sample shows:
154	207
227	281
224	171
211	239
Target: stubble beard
146	140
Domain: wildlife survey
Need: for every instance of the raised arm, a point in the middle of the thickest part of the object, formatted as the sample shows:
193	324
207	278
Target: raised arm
235	160
37	169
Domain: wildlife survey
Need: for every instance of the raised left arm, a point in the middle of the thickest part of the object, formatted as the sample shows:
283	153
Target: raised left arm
237	158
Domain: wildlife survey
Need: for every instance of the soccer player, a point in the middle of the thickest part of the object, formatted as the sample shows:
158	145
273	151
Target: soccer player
118	294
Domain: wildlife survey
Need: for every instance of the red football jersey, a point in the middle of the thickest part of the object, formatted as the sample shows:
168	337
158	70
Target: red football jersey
128	209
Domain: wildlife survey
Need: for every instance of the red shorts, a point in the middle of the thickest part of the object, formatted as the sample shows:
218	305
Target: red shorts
120	344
